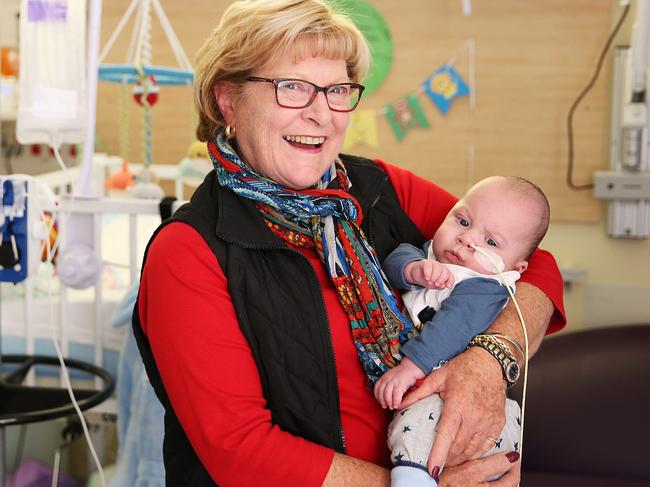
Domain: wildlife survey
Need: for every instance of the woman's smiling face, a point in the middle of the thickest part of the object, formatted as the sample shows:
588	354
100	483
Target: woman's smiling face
291	146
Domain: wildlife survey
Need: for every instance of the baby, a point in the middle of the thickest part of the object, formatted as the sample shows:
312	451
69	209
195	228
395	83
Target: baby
454	293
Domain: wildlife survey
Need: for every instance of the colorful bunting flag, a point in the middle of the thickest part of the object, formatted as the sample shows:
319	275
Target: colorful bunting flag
362	128
404	114
443	86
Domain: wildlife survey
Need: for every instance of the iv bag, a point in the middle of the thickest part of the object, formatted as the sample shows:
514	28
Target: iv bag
52	81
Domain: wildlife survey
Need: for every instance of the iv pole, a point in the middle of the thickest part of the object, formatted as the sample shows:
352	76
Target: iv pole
83	188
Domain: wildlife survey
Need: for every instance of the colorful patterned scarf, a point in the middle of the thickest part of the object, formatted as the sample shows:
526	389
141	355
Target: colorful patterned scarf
328	218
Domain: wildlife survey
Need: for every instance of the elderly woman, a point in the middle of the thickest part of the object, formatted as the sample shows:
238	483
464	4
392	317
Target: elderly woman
263	314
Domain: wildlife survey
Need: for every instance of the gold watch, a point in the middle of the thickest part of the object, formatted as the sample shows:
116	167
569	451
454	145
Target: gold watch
502	353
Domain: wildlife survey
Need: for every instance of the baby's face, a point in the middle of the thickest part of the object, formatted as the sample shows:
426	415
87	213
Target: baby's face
491	216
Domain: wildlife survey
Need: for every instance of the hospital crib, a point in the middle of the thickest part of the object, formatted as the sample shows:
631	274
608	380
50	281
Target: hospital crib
82	318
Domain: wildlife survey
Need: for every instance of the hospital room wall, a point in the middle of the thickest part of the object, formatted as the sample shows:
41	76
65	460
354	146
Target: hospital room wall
527	77
616	289
526	80
517	129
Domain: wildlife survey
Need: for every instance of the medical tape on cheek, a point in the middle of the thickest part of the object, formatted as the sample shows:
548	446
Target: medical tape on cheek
489	260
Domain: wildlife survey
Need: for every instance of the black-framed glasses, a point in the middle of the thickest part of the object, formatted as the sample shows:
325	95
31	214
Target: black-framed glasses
298	93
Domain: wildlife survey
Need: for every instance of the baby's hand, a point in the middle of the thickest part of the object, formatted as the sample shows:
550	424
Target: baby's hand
428	273
391	386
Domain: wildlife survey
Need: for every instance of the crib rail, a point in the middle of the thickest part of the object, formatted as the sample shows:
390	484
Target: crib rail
104	165
121	228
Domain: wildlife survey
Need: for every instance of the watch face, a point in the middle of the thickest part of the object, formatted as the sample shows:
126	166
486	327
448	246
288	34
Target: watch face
512	372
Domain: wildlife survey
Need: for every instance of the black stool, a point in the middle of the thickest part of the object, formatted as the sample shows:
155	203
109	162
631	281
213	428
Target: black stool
21	404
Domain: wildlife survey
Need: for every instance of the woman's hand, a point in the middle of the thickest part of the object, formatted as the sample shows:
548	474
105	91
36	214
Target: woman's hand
473	389
476	472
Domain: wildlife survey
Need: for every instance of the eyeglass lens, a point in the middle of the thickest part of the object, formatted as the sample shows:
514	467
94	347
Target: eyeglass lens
297	94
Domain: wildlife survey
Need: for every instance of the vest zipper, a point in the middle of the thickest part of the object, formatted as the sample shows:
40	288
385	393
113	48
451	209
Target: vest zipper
371	238
339	423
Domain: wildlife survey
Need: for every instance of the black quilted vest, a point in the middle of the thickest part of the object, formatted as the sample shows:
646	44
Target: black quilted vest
280	309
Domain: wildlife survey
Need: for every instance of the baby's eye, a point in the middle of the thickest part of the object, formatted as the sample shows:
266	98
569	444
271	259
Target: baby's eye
463	222
491	242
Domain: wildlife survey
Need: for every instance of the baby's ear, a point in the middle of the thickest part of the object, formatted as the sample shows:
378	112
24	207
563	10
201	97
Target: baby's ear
521	266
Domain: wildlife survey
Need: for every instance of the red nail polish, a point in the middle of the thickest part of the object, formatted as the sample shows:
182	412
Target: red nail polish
513	456
435	472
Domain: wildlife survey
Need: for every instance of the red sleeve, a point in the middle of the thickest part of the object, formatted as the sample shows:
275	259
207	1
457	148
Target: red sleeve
427	204
544	274
209	372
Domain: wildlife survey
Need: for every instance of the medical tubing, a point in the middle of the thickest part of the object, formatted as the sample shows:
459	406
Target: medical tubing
57	155
55	468
523	327
50	255
66	380
583	93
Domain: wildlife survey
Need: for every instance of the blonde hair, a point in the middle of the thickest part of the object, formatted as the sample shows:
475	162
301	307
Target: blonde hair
252	33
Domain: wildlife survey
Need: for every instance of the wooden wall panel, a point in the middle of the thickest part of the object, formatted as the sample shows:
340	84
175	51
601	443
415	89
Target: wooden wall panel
533	58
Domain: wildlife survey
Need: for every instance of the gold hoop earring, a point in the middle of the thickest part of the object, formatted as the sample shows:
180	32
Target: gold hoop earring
229	131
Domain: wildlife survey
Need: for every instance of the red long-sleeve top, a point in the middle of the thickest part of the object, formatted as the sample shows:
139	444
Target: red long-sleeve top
210	375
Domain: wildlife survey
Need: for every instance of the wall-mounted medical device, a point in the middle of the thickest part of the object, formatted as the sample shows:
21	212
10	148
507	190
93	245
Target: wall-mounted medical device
626	186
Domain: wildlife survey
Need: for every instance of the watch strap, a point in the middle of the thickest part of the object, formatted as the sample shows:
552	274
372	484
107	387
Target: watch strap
502	353
505	339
